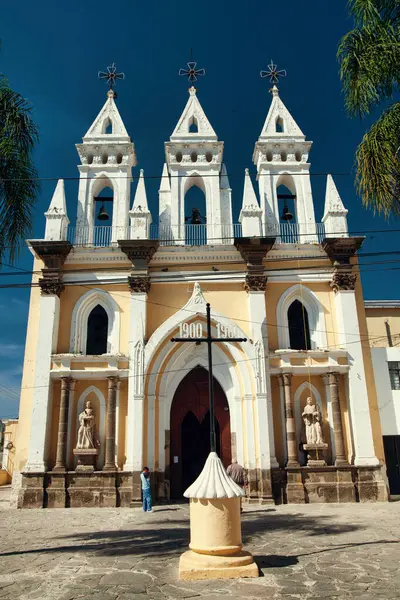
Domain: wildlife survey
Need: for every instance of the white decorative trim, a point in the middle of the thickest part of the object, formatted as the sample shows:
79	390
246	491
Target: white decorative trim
315	312
100	421
80	315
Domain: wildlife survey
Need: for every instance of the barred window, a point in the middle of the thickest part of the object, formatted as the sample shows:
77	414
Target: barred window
394	372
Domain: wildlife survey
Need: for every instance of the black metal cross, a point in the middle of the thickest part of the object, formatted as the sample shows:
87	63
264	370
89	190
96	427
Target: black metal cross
191	72
209	340
111	75
273	73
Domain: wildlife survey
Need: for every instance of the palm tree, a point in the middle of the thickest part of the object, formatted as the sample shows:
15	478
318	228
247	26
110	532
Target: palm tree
369	58
18	177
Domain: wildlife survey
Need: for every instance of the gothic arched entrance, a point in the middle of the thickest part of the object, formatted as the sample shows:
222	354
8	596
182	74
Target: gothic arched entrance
190	429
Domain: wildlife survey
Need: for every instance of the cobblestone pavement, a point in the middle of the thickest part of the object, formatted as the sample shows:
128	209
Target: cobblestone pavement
306	552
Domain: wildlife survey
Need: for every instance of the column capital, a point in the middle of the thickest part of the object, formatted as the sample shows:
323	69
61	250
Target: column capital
255	283
286	379
66	383
333	378
139	284
113	382
51	284
343	281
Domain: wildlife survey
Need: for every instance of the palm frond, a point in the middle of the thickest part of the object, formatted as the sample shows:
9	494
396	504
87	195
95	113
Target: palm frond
378	164
16	123
369	60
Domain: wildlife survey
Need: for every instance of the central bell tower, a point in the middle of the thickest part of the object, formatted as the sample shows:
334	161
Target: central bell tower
194	158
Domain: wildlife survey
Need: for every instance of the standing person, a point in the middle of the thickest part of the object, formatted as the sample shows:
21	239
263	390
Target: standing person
146	489
238	474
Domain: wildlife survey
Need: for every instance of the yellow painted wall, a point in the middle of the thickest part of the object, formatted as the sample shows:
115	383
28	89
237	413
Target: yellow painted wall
376	318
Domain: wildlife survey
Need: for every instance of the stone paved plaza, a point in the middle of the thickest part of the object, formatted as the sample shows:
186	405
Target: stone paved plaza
311	551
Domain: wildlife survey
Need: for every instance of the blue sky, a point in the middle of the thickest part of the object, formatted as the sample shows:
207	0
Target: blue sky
52	51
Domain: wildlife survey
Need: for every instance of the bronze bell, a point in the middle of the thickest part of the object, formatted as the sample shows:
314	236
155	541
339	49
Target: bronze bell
103	214
286	214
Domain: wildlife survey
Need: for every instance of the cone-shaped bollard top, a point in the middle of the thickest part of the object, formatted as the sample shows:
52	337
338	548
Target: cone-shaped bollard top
213	482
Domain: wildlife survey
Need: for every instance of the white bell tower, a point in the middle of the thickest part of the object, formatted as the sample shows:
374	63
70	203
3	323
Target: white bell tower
281	155
194	157
107	155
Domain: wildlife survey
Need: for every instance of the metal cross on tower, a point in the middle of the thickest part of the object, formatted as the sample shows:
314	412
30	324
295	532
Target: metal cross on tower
273	73
111	75
191	72
209	340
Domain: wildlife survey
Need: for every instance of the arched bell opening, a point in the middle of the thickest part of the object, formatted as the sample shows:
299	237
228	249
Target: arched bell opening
190	429
195	212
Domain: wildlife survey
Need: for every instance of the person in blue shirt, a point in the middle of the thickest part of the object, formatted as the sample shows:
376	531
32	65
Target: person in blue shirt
146	489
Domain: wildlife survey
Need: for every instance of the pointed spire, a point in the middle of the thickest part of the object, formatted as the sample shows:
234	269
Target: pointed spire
193	114
224	178
108	125
249	195
279	121
58	205
335	214
251	213
140	201
333	201
165	185
140	216
56	217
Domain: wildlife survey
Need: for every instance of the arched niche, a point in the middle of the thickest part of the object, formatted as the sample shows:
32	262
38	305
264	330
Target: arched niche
315	313
80	316
98	402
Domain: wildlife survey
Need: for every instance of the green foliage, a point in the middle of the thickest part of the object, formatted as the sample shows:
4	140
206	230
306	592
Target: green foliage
18	177
369	58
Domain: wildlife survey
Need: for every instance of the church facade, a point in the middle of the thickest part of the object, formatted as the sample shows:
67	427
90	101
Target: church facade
105	391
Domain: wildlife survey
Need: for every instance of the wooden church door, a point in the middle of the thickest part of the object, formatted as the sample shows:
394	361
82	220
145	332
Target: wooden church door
190	429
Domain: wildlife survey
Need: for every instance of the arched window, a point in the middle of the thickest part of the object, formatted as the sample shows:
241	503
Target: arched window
107	126
193	125
279	128
97	331
299	329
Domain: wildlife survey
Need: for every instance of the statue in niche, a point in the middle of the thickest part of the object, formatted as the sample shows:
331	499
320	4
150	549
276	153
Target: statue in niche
86	437
312	419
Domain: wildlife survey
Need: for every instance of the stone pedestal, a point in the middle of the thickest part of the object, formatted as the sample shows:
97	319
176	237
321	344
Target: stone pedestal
328	484
124	493
215	528
56	490
32	493
86	459
315	454
371	485
294	486
92	489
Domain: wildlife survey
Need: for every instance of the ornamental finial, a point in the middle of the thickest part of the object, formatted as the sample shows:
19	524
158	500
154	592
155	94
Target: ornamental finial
191	72
273	74
111	76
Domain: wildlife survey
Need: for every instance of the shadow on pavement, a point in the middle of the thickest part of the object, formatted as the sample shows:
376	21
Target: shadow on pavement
171	537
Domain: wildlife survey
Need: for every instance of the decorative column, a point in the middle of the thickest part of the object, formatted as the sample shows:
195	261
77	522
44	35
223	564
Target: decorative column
53	254
291	441
253	251
109	464
343	283
337	420
139	253
61	457
325	379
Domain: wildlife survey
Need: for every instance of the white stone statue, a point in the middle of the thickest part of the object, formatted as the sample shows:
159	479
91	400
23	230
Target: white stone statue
86	438
312	419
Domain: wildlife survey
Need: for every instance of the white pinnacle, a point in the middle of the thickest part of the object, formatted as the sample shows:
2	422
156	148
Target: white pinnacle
140	201
249	196
58	203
